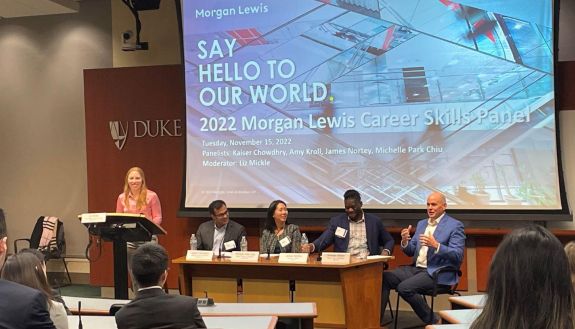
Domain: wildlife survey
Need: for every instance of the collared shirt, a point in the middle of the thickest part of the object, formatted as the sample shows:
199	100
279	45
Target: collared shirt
219	234
152	209
429	230
151	287
357	236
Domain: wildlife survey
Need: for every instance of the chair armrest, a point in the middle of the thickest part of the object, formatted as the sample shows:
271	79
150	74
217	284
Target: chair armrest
114	308
445	269
16	246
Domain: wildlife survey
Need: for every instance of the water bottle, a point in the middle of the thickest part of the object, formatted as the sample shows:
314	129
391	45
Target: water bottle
304	239
193	242
244	244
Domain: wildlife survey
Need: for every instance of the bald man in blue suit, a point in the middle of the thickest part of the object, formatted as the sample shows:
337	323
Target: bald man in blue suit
438	241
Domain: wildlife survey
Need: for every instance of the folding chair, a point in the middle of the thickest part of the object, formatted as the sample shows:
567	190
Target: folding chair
57	252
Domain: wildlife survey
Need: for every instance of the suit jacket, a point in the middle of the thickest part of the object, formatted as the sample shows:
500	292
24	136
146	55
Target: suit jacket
22	307
377	236
153	308
269	240
450	234
205	235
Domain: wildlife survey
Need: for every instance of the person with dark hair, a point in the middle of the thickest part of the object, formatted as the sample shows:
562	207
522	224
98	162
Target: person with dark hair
529	283
55	293
26	269
355	231
152	307
221	233
278	235
21	306
439	241
570	251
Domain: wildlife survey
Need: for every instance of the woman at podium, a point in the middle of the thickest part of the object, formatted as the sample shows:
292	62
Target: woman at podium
278	235
138	199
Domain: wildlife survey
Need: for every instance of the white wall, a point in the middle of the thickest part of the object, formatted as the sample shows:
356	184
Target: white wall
42	135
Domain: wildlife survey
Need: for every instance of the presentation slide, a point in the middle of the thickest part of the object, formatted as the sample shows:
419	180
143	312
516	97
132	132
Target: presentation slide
301	100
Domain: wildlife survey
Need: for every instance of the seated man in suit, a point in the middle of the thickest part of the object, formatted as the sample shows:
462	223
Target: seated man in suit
20	306
152	307
220	234
438	241
355	231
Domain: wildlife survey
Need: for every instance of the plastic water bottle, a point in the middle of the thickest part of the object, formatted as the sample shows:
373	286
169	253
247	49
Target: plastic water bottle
304	239
244	244
193	242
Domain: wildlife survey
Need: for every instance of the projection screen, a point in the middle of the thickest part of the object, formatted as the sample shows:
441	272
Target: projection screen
301	100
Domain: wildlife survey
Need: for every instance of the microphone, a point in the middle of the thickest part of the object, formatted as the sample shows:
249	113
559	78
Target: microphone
80	315
270	246
206	301
318	256
221	247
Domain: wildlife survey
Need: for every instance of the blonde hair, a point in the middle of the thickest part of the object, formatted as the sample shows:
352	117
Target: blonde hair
141	198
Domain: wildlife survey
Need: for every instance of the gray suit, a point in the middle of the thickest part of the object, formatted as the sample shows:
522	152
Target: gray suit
205	235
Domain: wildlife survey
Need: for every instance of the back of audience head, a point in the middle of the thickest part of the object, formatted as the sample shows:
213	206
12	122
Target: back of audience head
570	251
529	284
149	265
26	269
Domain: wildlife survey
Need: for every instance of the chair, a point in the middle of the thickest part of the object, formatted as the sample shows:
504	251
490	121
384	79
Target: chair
436	290
114	308
55	252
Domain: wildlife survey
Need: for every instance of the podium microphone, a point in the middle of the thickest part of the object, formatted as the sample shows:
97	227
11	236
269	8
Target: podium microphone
80	315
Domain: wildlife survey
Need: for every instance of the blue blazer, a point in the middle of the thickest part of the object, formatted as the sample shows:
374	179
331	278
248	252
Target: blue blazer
449	233
377	237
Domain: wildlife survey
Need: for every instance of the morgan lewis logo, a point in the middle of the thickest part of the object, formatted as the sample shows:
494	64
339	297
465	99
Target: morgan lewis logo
143	128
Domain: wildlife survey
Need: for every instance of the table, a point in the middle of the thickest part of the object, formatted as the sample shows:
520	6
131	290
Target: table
244	322
448	326
92	306
360	280
459	316
466	302
304	312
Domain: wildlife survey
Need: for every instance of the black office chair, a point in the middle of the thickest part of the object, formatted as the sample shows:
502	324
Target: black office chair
114	308
436	290
54	252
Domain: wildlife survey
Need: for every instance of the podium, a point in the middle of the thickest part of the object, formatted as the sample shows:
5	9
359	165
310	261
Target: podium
121	228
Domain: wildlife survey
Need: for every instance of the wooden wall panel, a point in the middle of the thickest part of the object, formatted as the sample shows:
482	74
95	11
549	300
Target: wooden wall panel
127	95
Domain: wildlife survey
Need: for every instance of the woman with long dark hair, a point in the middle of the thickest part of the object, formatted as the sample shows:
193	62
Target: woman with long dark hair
26	269
278	235
529	284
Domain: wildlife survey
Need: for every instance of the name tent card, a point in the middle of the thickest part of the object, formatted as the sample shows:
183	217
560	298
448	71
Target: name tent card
336	258
245	256
202	255
293	258
93	218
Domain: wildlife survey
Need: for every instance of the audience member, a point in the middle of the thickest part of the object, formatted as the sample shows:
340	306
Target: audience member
529	284
24	297
438	241
278	235
355	231
152	307
55	293
221	233
570	251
